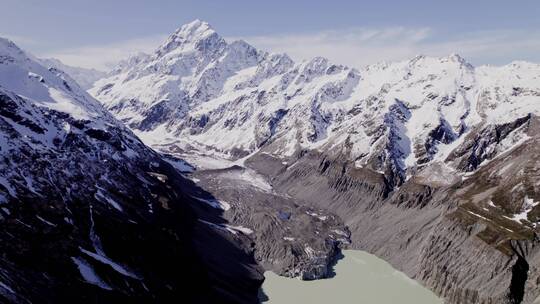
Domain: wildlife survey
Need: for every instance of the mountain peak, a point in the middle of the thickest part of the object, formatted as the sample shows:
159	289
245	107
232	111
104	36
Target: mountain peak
193	31
9	48
458	58
190	36
452	59
6	43
458	61
195	25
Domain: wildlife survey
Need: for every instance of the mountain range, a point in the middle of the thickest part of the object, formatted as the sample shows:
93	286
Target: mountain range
429	163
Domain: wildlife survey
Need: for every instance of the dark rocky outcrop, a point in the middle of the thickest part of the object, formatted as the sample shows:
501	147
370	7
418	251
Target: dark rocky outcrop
97	217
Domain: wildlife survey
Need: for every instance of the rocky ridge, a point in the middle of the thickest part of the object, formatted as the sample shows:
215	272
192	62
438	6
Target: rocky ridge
90	214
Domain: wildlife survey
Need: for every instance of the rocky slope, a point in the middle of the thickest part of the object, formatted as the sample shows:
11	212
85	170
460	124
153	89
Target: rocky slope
472	238
289	238
89	214
404	153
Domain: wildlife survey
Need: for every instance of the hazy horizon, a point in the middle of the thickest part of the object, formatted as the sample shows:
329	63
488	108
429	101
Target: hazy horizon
99	34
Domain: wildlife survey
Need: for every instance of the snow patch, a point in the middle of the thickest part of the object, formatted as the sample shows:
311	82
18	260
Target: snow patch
228	228
45	221
528	205
6	287
88	273
251	177
105	260
180	165
214	203
100	196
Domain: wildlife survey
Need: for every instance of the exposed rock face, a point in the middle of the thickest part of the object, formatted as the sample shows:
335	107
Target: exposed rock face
470	238
289	238
88	213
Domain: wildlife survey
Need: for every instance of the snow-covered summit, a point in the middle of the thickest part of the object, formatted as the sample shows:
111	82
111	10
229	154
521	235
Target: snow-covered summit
194	30
194	35
197	91
23	75
9	48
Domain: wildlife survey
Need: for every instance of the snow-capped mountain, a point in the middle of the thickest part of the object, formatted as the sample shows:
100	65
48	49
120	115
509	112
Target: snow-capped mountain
88	213
197	90
430	162
84	77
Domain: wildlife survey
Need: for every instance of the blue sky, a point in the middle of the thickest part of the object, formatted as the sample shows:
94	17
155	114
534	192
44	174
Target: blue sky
97	33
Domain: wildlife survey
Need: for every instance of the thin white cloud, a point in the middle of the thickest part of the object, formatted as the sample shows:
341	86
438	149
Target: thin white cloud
362	46
491	47
104	57
354	47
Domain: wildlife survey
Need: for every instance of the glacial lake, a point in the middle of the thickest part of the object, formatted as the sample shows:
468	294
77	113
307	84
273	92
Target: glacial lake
360	278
